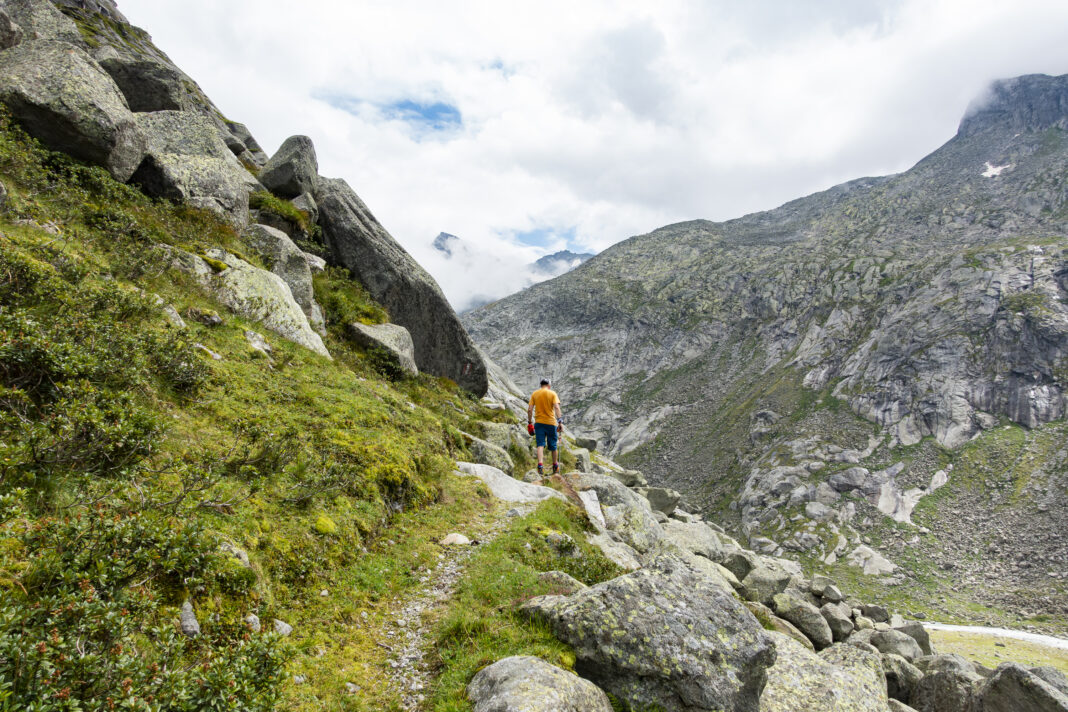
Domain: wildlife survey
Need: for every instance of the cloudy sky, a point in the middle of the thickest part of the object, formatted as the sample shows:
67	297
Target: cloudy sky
525	128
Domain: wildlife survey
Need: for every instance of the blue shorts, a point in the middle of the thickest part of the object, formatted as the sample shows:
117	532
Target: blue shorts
545	435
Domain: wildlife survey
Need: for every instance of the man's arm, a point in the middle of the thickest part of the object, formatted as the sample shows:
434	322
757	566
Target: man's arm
530	411
559	415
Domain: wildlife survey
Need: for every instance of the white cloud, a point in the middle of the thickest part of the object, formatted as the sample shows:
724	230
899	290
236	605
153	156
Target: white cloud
605	118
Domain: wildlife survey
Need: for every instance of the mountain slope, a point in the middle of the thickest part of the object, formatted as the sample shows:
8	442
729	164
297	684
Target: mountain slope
891	319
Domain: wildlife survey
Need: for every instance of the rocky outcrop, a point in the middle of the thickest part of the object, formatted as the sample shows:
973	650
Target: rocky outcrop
147	84
528	684
187	161
358	242
806	617
39	19
846	680
253	293
663	636
293	169
507	488
1028	103
1014	687
489	454
63	98
393	340
291	264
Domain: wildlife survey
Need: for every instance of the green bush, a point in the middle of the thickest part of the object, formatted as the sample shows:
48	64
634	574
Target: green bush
73	634
345	301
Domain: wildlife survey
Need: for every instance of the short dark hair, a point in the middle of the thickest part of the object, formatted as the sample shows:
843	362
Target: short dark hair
545	381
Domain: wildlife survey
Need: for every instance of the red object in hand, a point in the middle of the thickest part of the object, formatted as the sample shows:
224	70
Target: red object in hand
530	428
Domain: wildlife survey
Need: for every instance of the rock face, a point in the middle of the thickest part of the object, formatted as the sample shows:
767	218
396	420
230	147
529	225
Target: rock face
188	161
293	169
253	293
663	636
504	487
357	241
393	339
806	617
63	98
291	264
528	684
850	681
1013	687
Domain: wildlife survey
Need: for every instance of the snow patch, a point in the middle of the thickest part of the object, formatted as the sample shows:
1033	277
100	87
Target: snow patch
993	171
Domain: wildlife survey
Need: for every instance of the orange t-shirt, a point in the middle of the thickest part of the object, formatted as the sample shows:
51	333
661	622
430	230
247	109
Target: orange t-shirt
543	401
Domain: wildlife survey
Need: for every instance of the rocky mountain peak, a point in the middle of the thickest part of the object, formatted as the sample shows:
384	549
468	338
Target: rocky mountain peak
444	242
1031	102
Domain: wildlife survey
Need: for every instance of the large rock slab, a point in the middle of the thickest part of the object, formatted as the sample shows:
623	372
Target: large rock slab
506	488
487	453
850	681
62	97
806	617
527	684
253	293
396	281
897	643
700	539
763	583
664	637
188	161
293	169
870	561
147	83
1013	688
662	499
626	513
837	617
949	684
396	341
290	263
918	633
42	20
902	677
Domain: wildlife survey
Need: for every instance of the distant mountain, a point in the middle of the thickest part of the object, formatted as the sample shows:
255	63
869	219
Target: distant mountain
466	259
445	243
816	371
560	262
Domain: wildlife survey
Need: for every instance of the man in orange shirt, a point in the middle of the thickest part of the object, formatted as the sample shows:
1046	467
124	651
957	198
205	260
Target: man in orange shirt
545	421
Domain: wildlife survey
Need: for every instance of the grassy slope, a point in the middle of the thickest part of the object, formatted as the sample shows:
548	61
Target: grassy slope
332	476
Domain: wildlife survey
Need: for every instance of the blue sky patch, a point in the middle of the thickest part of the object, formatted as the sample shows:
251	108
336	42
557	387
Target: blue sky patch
437	115
546	236
433	116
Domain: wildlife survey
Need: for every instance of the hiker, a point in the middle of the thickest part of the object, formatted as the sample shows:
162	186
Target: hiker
548	421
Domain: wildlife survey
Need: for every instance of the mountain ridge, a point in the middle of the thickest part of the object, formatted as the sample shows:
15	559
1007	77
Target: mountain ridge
921	311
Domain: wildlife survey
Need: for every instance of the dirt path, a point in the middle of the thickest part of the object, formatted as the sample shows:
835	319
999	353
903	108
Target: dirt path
408	634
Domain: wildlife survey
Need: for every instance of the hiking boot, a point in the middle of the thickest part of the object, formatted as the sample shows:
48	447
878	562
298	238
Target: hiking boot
556	468
541	469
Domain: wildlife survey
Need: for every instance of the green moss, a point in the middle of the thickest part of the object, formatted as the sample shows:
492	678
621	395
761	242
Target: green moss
266	202
216	265
325	525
